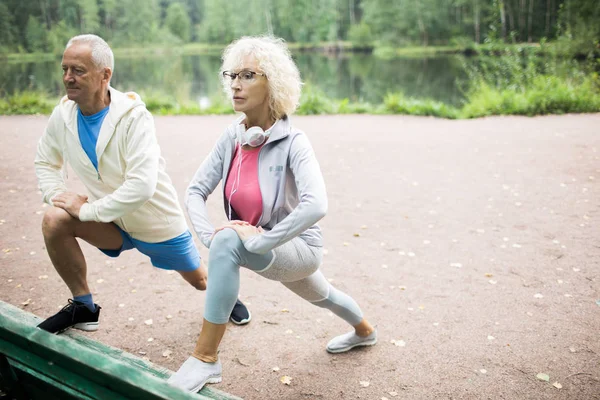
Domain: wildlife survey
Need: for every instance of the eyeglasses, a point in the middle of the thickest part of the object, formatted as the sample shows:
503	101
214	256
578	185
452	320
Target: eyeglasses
246	76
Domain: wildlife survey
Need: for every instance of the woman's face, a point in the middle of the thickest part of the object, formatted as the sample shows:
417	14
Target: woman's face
250	92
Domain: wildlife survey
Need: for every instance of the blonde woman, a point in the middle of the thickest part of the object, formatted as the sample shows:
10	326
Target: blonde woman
274	195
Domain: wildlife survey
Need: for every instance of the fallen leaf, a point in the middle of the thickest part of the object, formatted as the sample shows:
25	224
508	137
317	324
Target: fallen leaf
285	310
488	275
356	234
245	364
286	380
557	385
543	377
364	383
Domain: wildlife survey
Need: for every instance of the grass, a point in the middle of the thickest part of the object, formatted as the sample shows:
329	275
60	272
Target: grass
514	89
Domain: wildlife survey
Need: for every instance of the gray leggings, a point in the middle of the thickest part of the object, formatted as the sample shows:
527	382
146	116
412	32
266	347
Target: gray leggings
295	264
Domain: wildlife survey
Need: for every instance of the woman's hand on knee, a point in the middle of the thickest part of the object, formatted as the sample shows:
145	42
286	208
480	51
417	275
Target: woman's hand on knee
231	225
247	231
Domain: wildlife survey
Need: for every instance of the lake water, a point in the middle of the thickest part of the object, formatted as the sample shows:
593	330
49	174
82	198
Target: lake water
196	77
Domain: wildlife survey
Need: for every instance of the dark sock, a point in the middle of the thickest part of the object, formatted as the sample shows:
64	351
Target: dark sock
87	300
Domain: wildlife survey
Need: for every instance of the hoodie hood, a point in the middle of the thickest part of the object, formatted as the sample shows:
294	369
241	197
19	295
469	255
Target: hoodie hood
120	105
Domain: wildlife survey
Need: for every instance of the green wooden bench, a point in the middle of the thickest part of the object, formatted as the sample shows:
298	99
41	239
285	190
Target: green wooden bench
37	365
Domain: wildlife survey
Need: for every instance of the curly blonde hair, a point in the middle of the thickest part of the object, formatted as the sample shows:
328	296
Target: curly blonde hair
275	61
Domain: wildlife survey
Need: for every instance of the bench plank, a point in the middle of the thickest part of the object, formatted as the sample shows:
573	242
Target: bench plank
84	366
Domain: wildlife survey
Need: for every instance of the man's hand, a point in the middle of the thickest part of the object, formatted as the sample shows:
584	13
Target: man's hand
70	202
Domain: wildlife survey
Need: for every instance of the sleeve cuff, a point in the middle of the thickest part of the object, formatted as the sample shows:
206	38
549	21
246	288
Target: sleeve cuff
86	213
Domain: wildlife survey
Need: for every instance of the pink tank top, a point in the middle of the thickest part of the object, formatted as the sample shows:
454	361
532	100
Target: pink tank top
242	189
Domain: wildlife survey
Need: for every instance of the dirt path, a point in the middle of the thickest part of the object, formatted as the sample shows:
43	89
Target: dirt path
473	245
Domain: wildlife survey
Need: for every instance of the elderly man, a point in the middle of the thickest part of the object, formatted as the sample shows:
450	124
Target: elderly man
108	138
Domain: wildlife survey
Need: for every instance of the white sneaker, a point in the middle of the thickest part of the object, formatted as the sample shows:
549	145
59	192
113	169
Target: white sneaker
350	340
194	374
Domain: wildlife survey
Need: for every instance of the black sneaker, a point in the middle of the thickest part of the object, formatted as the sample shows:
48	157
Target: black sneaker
240	315
73	315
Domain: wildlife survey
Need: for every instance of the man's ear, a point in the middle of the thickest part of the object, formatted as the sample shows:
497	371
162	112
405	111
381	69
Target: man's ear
106	74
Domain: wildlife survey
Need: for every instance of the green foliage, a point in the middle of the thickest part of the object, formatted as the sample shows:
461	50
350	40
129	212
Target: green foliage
397	103
36	35
360	35
461	23
313	101
543	95
26	103
58	37
8	30
579	24
178	21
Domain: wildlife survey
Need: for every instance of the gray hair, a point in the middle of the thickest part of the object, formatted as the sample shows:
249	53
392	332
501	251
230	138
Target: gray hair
102	55
275	60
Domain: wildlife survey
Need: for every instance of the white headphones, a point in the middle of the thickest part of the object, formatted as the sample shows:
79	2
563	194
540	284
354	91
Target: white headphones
253	136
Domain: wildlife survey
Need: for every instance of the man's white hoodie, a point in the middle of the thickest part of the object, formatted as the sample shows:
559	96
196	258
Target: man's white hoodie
130	187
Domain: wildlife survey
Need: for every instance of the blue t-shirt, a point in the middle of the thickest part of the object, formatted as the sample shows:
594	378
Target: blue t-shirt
89	130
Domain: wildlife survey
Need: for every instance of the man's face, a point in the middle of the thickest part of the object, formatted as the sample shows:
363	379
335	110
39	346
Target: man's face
81	77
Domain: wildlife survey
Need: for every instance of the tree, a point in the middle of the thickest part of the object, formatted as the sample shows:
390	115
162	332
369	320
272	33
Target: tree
89	20
137	22
36	35
8	30
178	21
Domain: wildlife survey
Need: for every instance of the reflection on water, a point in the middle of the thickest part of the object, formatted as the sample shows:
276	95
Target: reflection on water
358	77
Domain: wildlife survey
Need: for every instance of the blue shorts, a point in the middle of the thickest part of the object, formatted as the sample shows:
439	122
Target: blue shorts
178	254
